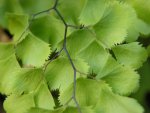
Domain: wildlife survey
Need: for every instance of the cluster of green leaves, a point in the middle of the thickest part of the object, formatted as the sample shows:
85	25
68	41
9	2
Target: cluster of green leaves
105	53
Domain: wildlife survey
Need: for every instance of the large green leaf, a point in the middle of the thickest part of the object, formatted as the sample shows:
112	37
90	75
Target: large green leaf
33	51
18	104
131	54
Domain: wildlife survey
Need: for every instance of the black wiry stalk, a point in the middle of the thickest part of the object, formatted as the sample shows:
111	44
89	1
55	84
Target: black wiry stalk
63	48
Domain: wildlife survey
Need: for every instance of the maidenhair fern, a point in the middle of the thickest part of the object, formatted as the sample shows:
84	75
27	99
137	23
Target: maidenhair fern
84	49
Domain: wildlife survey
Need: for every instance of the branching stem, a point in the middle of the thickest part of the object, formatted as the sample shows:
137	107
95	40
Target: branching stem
63	48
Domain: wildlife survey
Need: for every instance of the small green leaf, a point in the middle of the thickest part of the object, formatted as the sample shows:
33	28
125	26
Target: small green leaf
6	49
43	98
72	11
109	102
92	12
17	24
75	110
112	28
31	7
18	104
60	75
7	67
40	110
20	80
48	29
131	54
33	51
14	7
123	80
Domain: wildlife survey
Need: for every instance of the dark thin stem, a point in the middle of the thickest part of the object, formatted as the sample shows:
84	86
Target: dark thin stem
61	17
45	11
63	48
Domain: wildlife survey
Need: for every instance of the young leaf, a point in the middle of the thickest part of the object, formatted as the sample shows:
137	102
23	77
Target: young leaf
18	104
33	51
131	54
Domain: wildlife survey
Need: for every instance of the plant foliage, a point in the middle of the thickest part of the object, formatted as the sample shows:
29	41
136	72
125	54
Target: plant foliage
85	49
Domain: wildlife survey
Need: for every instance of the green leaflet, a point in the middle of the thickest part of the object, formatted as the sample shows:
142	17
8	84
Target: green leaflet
14	7
95	55
131	54
84	86
61	110
101	98
72	11
92	12
75	110
30	6
43	98
18	104
110	102
39	110
112	28
17	24
143	11
6	49
38	98
144	89
33	51
48	29
59	73
19	80
7	67
75	39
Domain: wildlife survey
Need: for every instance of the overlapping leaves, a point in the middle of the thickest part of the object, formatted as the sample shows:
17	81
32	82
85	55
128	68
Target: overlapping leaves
102	81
